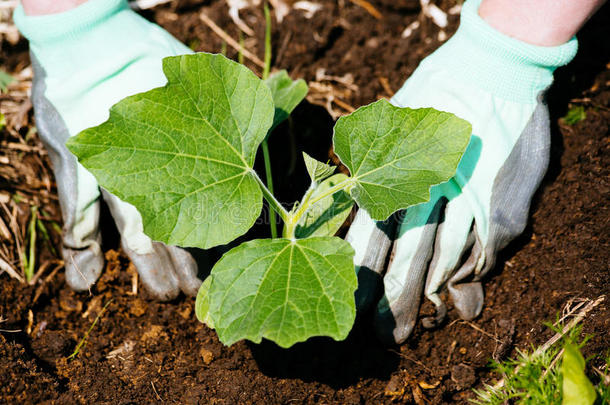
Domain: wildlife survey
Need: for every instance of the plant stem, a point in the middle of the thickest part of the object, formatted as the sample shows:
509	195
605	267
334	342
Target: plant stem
269	179
265	146
31	262
267	64
273	202
84	339
308	202
337	187
240	54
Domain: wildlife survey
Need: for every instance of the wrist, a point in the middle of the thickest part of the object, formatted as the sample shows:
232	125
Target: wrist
70	23
44	7
541	22
509	68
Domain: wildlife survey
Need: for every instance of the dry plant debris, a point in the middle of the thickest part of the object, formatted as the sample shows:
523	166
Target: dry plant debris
29	212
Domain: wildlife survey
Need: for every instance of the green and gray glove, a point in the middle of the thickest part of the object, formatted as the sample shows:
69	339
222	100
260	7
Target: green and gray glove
497	83
85	60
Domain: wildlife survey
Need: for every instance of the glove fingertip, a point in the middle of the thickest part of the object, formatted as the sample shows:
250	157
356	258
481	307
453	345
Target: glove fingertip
83	267
431	322
468	299
156	271
186	269
393	328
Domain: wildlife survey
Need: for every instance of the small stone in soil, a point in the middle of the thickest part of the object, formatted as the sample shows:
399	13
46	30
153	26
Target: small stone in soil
395	387
206	355
463	376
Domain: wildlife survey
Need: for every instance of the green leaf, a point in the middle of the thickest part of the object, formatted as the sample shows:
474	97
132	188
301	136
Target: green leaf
317	170
575	115
2	121
325	217
182	154
287	94
202	303
577	389
5	80
283	290
396	154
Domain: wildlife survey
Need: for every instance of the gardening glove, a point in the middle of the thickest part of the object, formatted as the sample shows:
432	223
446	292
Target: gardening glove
497	83
85	60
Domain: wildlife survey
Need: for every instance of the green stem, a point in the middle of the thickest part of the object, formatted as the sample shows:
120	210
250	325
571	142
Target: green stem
31	262
267	66
273	202
293	220
240	54
84	339
265	145
269	179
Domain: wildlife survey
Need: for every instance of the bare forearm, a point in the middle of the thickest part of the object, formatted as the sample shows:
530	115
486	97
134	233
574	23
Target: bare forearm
41	7
539	22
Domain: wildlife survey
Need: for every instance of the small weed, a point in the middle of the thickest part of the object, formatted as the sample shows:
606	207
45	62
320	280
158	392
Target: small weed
29	259
603	388
554	375
575	115
5	80
40	224
83	341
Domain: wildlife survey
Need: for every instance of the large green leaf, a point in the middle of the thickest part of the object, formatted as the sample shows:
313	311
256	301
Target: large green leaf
325	217
577	389
395	154
183	153
287	94
283	290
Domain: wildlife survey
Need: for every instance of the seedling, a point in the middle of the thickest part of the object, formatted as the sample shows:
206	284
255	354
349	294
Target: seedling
45	232
575	115
183	154
29	259
83	341
5	80
553	375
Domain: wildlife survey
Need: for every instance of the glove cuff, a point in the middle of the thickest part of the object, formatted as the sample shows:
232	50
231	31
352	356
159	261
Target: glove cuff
508	68
68	24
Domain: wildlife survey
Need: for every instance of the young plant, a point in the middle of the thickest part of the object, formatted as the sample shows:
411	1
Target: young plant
183	154
555	375
29	259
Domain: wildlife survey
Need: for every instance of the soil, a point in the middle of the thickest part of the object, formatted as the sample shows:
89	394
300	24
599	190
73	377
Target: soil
143	351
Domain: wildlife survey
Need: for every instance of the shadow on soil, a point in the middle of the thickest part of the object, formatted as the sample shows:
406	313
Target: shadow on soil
338	364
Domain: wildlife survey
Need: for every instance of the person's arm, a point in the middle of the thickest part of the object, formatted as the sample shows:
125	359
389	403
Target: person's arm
43	7
540	22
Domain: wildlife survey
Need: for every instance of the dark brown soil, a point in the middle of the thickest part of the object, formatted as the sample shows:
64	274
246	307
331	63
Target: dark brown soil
142	351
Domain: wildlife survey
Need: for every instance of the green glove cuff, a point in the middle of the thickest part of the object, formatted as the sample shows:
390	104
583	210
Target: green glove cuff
506	67
67	25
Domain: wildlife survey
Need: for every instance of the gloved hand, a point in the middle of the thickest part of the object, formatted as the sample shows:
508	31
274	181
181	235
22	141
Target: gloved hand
85	60
497	83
